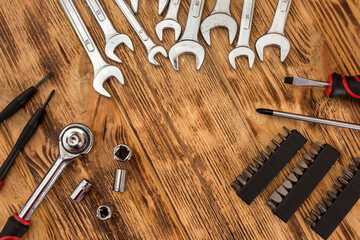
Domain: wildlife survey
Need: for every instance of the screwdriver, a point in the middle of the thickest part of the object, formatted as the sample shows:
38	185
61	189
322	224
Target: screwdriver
20	100
308	119
24	137
337	85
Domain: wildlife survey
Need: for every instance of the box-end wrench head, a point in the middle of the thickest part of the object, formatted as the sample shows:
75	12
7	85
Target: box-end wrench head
75	140
276	33
162	6
243	47
102	70
112	37
151	48
170	21
134	5
189	42
219	17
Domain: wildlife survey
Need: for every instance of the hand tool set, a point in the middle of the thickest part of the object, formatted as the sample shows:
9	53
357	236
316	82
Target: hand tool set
254	180
334	210
337	85
302	181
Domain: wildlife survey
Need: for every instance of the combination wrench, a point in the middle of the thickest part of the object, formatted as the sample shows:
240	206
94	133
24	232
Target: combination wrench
170	20
243	46
151	48
219	17
112	37
102	70
276	33
189	41
75	140
162	6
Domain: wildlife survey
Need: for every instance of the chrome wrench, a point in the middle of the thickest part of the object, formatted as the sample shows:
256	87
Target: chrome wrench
102	70
151	48
170	21
189	41
243	47
276	33
75	140
112	37
162	6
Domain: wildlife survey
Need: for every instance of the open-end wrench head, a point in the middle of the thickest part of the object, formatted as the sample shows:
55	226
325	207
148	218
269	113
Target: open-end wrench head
162	6
103	74
115	41
242	51
187	46
166	24
218	20
270	39
154	51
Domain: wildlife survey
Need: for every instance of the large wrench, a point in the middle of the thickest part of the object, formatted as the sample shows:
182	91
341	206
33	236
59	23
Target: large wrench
170	20
243	47
75	140
162	5
112	37
189	41
151	48
102	70
276	33
219	17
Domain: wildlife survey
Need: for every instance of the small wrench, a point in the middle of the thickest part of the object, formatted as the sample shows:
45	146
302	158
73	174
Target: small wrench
102	70
219	17
151	48
189	41
170	21
243	47
276	33
112	37
162	6
75	140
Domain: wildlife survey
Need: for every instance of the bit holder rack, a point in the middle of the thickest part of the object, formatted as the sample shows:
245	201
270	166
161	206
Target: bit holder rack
335	210
304	179
254	180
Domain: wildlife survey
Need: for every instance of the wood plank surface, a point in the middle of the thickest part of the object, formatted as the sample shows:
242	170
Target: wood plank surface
192	132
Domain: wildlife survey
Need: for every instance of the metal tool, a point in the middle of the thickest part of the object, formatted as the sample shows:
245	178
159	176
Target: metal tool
21	99
162	6
337	85
79	192
102	70
112	37
134	5
243	45
219	17
122	153
189	42
276	33
120	180
103	213
308	119
75	140
24	137
170	21
151	48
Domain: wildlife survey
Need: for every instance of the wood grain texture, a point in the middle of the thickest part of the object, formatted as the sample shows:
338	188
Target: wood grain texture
191	132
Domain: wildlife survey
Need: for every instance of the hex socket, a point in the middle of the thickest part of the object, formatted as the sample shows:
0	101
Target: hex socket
120	180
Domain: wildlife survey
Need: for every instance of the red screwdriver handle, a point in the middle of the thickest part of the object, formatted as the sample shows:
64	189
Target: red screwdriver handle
343	86
14	228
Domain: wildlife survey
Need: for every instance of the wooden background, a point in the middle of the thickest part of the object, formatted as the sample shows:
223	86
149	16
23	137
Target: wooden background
191	132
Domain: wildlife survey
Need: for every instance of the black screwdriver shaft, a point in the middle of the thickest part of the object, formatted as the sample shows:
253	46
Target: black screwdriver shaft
21	100
24	137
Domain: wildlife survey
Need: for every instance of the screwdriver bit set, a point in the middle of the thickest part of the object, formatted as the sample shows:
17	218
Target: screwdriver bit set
302	181
259	174
336	207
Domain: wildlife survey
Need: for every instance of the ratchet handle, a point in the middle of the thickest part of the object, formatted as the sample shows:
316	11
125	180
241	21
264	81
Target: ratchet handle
14	228
343	86
17	103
